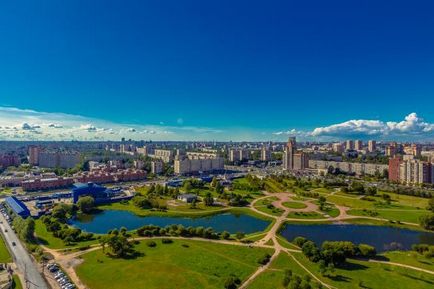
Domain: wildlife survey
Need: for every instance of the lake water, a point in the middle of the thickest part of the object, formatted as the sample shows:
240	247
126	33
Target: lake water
107	220
381	237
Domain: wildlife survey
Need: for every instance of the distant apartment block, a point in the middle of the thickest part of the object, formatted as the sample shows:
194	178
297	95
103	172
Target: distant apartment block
156	167
356	168
56	159
197	162
358	145
164	155
9	160
372	146
265	154
349	145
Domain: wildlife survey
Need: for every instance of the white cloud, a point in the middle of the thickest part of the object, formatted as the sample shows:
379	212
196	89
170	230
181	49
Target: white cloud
25	124
411	126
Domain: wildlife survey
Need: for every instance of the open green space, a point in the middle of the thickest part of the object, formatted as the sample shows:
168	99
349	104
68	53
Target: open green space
5	257
265	205
305	215
411	216
371	275
410	258
181	264
294	205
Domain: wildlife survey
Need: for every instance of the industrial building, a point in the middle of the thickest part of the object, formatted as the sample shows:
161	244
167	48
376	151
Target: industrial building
17	207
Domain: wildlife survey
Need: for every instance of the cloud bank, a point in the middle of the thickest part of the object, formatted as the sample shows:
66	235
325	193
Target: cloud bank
24	124
412	127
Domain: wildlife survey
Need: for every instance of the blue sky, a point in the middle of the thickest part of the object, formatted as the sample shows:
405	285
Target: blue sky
221	69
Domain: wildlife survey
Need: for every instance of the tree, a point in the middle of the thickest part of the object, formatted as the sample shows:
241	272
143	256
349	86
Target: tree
86	204
322	201
225	235
208	200
232	282
119	245
427	221
239	235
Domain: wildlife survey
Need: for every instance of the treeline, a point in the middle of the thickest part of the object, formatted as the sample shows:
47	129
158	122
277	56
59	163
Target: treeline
63	231
25	228
181	231
424	249
333	253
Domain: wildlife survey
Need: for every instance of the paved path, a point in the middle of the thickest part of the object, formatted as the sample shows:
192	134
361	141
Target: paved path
22	258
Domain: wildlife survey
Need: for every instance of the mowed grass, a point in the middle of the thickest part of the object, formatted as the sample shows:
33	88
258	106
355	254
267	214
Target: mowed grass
5	257
403	208
262	205
305	215
372	275
294	205
410	258
182	264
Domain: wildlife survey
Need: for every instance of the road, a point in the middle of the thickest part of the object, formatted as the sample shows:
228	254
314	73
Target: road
22	258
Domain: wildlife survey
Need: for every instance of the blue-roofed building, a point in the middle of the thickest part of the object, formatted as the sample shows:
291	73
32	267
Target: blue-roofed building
100	193
17	207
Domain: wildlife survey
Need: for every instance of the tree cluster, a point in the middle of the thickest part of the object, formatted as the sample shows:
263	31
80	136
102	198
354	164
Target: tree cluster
294	281
334	252
179	230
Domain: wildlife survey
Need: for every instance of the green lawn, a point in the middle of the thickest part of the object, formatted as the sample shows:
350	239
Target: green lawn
305	215
410	258
294	205
5	257
373	275
411	216
197	264
262	206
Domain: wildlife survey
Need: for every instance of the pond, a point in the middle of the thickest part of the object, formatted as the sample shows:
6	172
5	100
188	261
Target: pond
107	220
383	238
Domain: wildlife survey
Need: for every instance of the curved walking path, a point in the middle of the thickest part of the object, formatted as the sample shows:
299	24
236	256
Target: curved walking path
403	266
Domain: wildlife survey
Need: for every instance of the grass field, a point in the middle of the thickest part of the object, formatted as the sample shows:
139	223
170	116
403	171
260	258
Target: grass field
305	215
294	205
182	264
263	204
372	275
410	258
5	257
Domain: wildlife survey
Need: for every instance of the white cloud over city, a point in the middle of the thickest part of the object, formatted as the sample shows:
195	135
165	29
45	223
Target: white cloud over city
412	127
25	124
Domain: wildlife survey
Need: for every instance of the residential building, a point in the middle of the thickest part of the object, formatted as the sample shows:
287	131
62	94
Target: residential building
197	162
265	154
9	160
288	154
338	148
164	155
58	159
33	152
349	145
358	145
394	164
415	172
156	167
348	167
372	146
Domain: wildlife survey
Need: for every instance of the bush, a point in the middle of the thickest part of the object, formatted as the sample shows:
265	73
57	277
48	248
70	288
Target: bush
166	241
299	241
265	259
367	251
151	244
427	222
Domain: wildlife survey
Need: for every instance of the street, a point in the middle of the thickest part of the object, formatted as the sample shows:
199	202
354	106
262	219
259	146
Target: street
22	258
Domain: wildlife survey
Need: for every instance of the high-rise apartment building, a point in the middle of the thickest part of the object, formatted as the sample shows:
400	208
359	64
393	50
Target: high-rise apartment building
265	154
349	145
372	146
358	145
394	164
338	148
415	172
288	154
33	152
